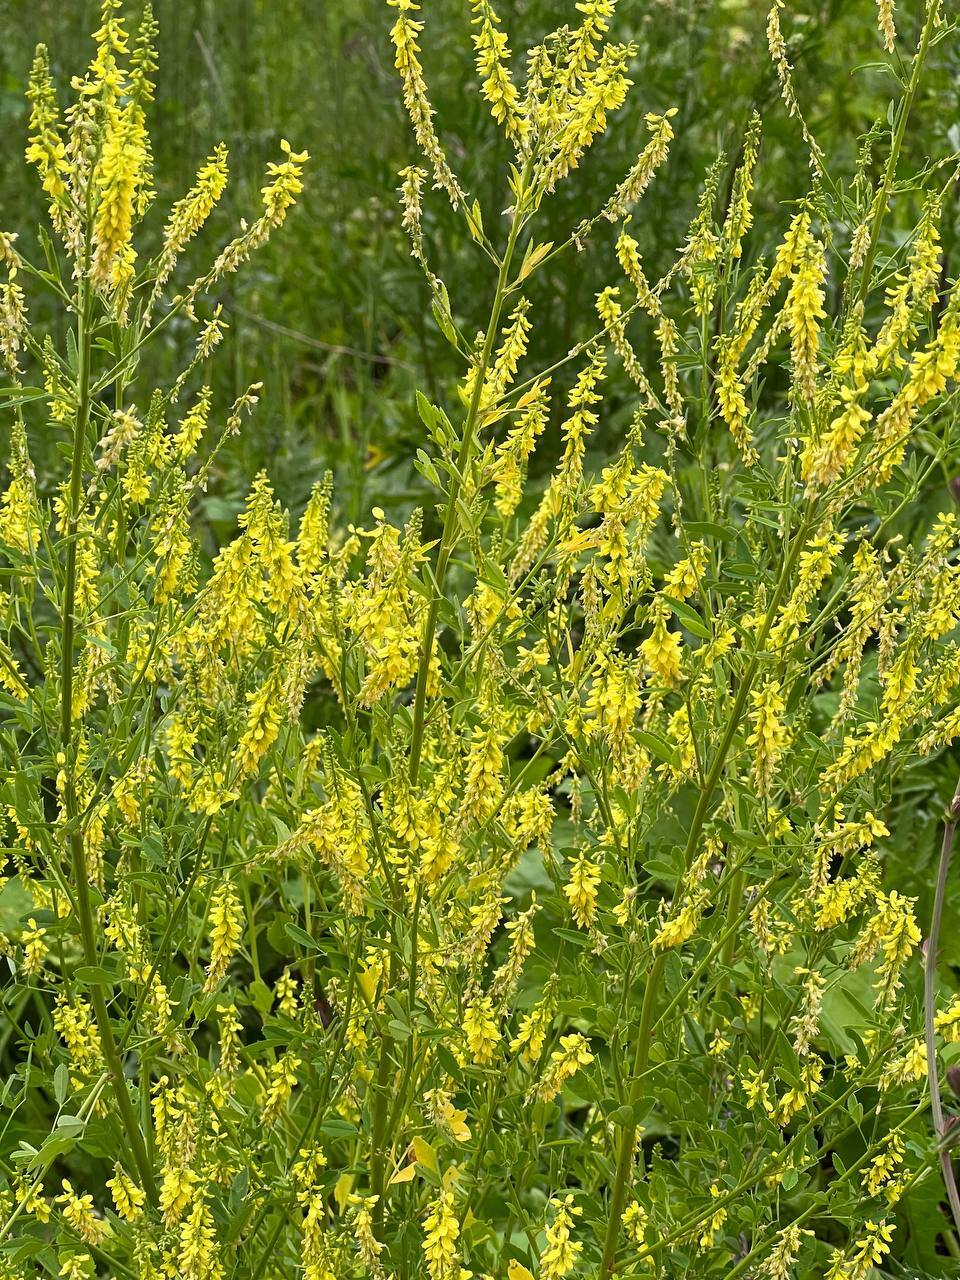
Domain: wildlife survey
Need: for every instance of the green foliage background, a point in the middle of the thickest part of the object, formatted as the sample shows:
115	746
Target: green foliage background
334	315
335	319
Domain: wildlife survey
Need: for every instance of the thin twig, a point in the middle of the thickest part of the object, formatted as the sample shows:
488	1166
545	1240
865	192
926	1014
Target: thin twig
929	1005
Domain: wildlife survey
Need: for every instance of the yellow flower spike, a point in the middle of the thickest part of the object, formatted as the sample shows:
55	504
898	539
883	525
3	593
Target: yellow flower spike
47	150
198	1250
34	948
661	650
770	737
581	890
493	57
441	1231
682	925
480	1029
79	1214
561	1251
128	1198
119	175
804	311
226	929
404	36
563	1065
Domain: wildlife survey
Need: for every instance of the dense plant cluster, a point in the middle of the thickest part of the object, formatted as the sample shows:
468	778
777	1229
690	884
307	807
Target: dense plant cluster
500	890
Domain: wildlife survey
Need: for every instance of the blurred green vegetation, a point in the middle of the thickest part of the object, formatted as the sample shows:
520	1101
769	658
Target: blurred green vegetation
334	317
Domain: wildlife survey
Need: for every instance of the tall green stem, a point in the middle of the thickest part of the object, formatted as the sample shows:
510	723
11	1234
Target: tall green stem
84	907
890	172
628	1140
448	536
930	1007
448	540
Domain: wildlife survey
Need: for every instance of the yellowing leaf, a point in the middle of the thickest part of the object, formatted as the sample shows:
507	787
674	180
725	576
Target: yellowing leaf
425	1154
341	1191
533	258
406	1174
517	1271
368	984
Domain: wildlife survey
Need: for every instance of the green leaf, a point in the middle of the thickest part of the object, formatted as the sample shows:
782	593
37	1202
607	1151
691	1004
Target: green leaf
94	975
688	617
334	1127
706	529
657	747
61	1083
299	936
15	905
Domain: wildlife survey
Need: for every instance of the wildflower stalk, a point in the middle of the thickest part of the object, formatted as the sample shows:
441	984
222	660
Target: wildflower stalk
447	541
734	899
930	1005
448	534
819	1201
378	1134
83	906
890	172
628	1138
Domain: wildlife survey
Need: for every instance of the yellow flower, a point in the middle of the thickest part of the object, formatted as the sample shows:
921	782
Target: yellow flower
581	890
280	1083
197	1247
634	1219
226	928
47	149
769	736
682	925
34	948
492	57
188	215
120	173
128	1198
176	1191
564	1063
441	1230
78	1212
480	1029
560	1251
404	36
661	649
715	1223
263	724
804	309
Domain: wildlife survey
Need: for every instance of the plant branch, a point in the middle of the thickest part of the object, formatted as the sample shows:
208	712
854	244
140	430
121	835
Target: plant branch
930	1004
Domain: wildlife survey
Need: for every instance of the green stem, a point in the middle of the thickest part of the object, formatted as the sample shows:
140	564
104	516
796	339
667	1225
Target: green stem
83	905
378	1137
727	955
450	531
890	172
930	1006
628	1139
